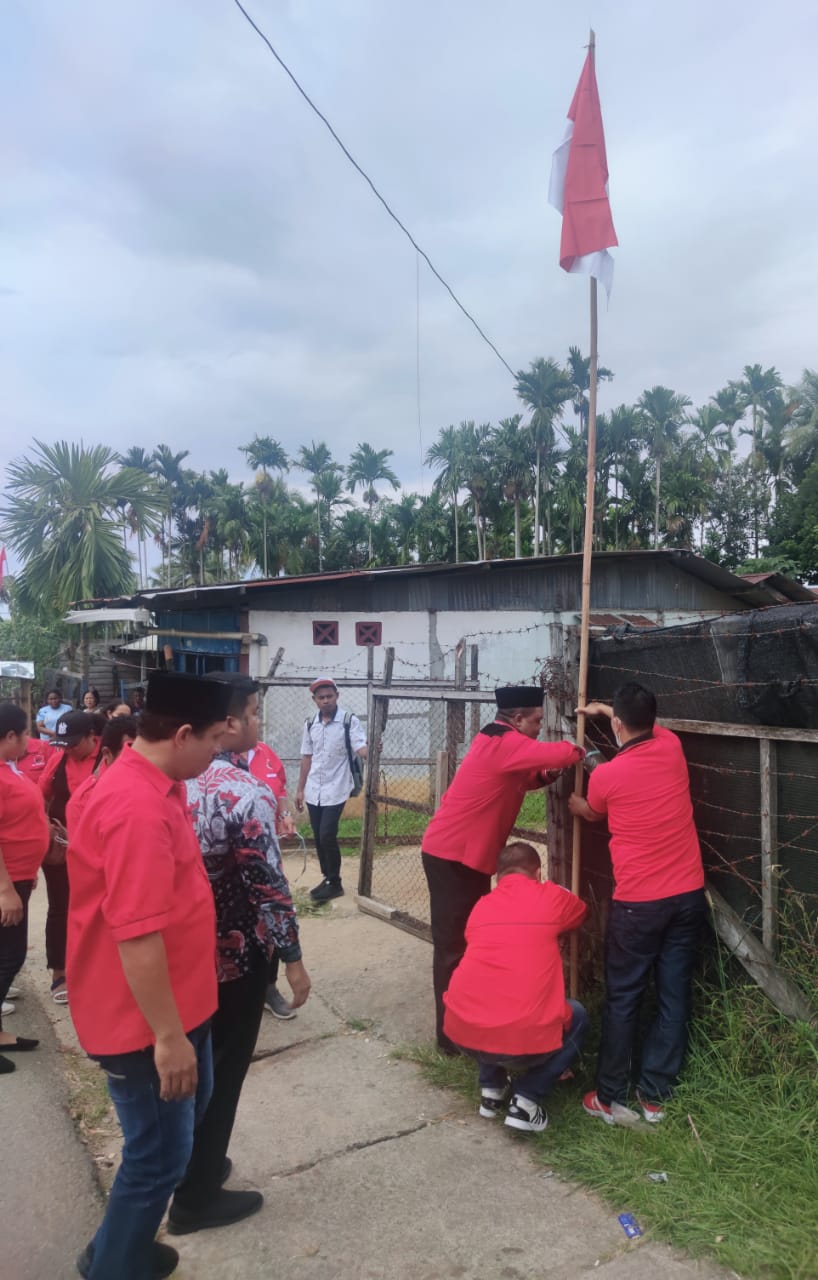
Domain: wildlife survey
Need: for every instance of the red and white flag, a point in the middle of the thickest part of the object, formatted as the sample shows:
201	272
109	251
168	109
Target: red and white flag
579	186
3	565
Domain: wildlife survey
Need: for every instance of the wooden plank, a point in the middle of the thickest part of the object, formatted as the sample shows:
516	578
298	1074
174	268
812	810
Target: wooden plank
441	776
716	729
369	826
373	907
761	966
769	845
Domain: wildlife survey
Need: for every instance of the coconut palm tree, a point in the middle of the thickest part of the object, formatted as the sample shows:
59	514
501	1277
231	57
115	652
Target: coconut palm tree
264	454
368	467
546	388
62	517
663	411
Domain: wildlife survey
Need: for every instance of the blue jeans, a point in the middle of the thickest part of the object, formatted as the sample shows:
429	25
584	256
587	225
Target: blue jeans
158	1142
534	1074
644	938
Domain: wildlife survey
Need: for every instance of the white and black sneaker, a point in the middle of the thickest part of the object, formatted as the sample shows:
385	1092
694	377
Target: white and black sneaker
492	1102
525	1114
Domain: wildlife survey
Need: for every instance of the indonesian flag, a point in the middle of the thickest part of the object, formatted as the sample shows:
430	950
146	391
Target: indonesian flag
579	186
3	565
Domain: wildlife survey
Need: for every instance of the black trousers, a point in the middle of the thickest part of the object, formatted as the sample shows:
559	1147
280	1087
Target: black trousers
13	943
56	922
324	819
661	939
454	889
234	1030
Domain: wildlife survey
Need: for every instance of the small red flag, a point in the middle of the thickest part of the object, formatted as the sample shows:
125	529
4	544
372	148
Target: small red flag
3	566
579	186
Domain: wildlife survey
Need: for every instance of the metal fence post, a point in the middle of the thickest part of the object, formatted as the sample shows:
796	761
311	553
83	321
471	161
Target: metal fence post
769	845
369	827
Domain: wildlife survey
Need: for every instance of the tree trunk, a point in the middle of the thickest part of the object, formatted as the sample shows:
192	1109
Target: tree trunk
517	550
656	517
264	535
456	529
537	504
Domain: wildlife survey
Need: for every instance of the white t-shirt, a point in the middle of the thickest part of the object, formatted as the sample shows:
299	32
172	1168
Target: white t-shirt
330	779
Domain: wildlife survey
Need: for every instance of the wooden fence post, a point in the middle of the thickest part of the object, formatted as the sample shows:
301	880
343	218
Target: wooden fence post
769	845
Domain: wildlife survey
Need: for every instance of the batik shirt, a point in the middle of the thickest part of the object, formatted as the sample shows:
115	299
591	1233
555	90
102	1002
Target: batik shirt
234	817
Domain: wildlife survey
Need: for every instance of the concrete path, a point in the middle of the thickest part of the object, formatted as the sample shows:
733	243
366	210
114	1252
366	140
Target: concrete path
368	1172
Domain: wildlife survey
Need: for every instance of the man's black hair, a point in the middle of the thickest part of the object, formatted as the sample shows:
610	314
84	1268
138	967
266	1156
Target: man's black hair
154	727
242	689
635	706
518	856
13	719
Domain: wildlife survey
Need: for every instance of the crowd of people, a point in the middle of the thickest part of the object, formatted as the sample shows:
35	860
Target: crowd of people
170	917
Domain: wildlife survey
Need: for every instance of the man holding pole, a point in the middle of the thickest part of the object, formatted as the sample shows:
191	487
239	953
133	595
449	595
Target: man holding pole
472	825
658	904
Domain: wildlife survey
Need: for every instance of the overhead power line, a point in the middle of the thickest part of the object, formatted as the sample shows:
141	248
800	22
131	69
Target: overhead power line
373	188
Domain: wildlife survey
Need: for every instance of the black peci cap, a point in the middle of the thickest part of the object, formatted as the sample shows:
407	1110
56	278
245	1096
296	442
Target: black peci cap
189	698
518	695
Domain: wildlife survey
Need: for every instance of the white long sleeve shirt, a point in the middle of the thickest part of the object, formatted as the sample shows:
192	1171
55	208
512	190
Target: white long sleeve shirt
329	781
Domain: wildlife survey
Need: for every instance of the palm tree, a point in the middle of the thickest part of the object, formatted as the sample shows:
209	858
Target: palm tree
264	454
620	433
757	385
512	452
138	459
367	467
316	459
167	467
663	410
579	371
62	517
402	519
802	445
476	470
545	388
446	456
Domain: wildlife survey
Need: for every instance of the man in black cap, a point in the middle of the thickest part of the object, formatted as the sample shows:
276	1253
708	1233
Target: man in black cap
472	825
141	962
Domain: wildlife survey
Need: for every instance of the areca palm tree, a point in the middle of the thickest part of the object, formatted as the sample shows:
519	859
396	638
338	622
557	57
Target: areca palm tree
368	467
663	410
264	454
546	387
167	467
579	371
62	517
512	453
620	433
446	457
802	444
757	385
474	443
317	461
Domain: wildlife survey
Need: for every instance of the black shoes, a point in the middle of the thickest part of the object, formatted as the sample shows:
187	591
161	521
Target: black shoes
327	889
21	1045
6	1067
164	1260
228	1207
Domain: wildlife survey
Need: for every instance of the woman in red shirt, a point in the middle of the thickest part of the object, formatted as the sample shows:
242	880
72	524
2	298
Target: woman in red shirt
24	838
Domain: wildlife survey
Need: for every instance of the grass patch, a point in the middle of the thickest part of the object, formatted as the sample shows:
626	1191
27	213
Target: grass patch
307	906
745	1193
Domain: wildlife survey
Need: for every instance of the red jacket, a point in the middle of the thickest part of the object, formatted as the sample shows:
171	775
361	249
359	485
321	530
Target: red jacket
479	809
507	995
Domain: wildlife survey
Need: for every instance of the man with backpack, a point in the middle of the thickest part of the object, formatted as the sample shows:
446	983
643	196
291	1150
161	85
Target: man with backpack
332	744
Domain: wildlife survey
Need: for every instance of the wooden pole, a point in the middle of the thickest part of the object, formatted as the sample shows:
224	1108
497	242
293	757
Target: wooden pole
587	551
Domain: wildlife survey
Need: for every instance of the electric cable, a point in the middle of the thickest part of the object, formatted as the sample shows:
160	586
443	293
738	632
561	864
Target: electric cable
373	188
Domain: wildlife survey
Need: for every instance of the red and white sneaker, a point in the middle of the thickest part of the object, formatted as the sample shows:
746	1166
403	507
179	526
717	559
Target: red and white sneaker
593	1107
653	1112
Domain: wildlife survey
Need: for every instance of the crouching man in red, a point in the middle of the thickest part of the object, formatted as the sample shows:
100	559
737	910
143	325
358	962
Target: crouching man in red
141	962
506	1005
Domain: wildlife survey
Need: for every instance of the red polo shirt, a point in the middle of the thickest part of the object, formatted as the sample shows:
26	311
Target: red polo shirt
645	792
479	809
38	753
24	829
135	868
76	771
267	767
507	995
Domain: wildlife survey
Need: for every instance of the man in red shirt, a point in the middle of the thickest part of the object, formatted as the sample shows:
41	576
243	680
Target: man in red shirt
141	962
465	836
658	903
505	1004
71	759
24	839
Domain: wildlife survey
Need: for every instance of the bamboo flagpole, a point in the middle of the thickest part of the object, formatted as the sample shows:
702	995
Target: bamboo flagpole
579	190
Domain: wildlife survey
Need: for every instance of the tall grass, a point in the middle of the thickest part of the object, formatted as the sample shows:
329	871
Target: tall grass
742	1188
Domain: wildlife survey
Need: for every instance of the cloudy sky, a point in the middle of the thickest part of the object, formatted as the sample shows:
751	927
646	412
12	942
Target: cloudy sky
188	258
